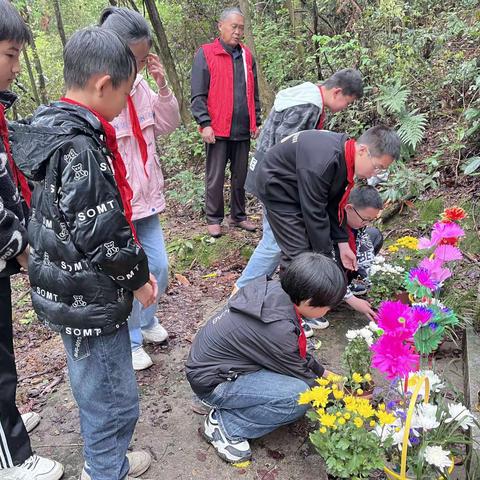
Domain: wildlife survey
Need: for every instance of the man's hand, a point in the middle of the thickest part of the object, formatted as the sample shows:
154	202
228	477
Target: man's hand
348	258
147	295
362	306
208	135
156	70
255	134
22	259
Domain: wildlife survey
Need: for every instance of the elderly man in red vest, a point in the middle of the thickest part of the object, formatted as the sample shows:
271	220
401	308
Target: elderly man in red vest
225	104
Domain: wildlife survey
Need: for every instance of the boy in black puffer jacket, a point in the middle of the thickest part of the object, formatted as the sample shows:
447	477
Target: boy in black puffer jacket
85	264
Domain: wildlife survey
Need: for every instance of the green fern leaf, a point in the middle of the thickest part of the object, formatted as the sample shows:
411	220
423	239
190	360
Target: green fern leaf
393	98
412	127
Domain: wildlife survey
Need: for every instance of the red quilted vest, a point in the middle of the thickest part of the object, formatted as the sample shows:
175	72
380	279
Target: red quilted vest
220	93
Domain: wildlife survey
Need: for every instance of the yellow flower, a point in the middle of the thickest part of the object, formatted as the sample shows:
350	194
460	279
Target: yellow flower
341	421
335	378
338	414
334	386
319	397
338	394
381	406
393	249
334	427
305	397
360	391
322	381
372	423
364	408
385	418
320	411
367	377
357	378
358	422
408	258
323	430
347	416
327	420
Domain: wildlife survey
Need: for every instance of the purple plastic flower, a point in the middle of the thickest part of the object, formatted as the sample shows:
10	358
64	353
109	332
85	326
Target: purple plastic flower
433	325
422	277
434	267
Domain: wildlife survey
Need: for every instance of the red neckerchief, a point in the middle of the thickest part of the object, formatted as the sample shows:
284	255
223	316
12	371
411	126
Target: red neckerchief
302	339
18	177
350	162
321	120
137	133
351	240
119	170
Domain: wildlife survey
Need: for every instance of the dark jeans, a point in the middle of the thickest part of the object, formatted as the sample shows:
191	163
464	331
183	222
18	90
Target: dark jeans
218	154
14	441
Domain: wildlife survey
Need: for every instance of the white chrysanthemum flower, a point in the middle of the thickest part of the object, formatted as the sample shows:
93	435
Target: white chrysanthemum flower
384	433
438	457
351	334
459	413
373	326
425	417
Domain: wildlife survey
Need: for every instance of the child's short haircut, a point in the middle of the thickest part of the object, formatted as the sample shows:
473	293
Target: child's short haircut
349	80
312	276
365	197
12	26
381	141
93	51
126	23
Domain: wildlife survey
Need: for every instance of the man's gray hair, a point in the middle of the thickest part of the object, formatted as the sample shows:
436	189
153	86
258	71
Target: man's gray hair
230	11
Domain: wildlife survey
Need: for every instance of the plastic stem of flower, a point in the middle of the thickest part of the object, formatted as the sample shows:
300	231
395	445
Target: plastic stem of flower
408	422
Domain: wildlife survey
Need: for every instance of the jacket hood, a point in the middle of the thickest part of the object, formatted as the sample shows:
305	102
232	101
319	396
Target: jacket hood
304	93
263	300
34	140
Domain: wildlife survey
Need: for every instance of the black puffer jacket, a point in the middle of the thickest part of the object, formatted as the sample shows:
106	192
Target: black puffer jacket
84	262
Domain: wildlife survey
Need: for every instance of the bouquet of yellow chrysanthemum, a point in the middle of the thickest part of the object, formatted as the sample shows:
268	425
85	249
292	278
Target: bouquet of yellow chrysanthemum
404	252
345	437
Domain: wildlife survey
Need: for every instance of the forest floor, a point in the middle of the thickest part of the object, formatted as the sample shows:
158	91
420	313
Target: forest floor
204	275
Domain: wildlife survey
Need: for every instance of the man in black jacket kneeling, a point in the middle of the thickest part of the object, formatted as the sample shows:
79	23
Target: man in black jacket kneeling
250	361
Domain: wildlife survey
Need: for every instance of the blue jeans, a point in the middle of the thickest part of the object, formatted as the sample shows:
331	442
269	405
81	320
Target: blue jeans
256	403
150	235
265	259
105	388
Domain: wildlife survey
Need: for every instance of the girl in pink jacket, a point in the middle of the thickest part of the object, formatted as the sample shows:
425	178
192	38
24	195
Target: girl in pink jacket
146	116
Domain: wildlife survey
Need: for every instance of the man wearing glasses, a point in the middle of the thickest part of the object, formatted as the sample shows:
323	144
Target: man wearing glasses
305	181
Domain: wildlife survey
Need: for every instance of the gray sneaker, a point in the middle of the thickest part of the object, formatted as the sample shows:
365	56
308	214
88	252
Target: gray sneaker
317	323
232	451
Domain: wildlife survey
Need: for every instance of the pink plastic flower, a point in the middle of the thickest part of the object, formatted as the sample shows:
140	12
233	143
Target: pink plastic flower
443	233
420	315
422	277
448	253
394	357
435	269
396	318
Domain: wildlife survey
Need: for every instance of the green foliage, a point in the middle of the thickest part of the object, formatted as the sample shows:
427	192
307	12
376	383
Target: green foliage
187	188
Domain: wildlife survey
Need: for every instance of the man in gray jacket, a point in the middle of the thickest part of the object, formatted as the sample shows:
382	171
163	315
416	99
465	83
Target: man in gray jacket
249	363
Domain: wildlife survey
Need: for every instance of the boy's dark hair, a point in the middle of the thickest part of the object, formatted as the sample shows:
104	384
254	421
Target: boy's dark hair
126	23
12	26
315	277
381	140
365	197
95	50
349	80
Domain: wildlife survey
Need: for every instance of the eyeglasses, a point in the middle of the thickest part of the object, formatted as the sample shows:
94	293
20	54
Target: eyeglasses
379	170
364	220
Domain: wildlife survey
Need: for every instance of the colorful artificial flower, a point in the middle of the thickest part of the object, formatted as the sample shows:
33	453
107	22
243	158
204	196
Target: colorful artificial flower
437	272
447	253
443	233
419	283
394	357
438	457
453	214
396	318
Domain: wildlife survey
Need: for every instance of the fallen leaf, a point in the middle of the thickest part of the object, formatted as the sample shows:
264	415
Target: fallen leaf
182	279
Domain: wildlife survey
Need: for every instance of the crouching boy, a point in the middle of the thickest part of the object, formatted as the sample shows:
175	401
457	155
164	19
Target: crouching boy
85	266
250	361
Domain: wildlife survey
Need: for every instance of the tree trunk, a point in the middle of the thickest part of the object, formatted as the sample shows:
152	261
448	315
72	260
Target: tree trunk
315	42
31	76
266	93
167	59
58	16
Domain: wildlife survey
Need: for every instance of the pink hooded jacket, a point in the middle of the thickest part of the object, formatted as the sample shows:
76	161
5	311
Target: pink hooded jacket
157	115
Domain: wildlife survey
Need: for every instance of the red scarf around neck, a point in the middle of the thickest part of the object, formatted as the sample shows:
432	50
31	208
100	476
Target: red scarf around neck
350	162
352	242
321	120
302	339
137	132
119	170
18	178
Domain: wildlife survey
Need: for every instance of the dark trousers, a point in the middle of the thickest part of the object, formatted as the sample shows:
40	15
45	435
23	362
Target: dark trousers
218	154
14	441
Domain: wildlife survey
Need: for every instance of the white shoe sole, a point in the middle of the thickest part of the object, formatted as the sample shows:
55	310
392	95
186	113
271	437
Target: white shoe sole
30	420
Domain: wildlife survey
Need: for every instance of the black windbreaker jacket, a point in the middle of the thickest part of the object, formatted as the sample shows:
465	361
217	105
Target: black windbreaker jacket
257	329
84	263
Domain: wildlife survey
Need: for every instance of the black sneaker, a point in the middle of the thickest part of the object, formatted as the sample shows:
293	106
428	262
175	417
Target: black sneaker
358	289
229	450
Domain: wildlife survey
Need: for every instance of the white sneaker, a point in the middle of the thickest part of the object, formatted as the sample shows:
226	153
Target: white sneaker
317	323
141	359
139	463
156	334
307	330
30	420
34	468
229	450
